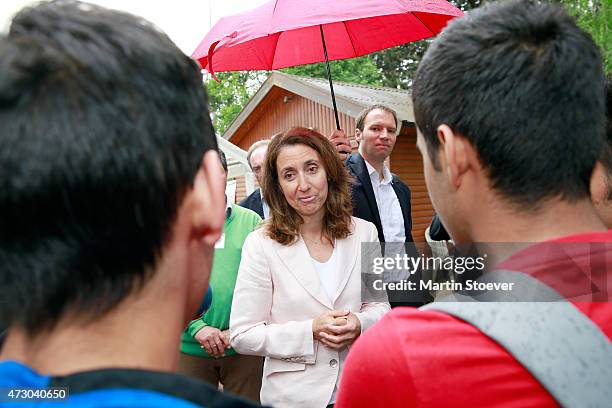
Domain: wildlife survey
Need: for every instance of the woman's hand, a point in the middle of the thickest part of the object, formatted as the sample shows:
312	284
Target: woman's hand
321	323
213	340
340	336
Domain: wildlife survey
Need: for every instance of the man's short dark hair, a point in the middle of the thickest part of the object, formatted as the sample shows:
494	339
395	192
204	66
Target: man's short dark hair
360	120
103	125
524	85
606	155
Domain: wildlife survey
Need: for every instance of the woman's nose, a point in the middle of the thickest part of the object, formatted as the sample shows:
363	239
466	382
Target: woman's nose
303	184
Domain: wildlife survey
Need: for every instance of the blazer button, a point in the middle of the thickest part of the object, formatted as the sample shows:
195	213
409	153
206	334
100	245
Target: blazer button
333	363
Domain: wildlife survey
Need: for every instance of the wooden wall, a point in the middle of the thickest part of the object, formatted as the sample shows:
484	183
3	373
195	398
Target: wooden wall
240	188
281	110
407	163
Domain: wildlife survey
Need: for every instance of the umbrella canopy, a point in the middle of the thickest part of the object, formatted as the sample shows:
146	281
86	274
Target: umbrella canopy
285	33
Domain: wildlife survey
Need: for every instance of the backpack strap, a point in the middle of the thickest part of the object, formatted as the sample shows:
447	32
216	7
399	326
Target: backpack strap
562	348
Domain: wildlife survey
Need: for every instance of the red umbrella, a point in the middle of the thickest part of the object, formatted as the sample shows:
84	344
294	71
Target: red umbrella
285	33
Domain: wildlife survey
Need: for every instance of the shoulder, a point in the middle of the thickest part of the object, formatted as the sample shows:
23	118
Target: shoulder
255	195
410	330
353	163
245	213
396	180
413	366
135	387
361	227
260	239
258	236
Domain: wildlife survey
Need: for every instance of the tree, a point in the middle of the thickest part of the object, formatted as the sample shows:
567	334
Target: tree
595	17
228	97
398	65
361	70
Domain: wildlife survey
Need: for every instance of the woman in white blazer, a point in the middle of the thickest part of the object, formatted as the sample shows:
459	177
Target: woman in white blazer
298	299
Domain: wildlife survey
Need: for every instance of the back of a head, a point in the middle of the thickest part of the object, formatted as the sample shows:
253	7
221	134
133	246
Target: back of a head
103	124
524	85
607	151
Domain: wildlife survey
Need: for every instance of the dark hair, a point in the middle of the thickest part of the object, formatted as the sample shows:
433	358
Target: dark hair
223	160
523	84
284	222
360	121
606	155
103	124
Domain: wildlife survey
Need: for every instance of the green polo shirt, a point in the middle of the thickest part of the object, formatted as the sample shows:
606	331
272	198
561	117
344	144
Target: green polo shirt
240	223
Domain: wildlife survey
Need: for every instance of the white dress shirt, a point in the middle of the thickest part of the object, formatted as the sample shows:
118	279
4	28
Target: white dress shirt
389	208
266	209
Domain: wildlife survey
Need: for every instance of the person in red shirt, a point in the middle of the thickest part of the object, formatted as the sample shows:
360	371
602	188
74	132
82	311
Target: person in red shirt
601	181
510	121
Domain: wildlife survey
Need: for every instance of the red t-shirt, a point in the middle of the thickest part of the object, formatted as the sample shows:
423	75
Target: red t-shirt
430	359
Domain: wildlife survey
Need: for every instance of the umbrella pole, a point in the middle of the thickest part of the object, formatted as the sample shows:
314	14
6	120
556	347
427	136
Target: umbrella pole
329	77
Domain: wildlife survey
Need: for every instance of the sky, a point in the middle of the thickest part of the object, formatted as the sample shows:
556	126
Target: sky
185	21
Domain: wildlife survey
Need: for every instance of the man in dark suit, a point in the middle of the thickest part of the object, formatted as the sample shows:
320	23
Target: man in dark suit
256	156
379	196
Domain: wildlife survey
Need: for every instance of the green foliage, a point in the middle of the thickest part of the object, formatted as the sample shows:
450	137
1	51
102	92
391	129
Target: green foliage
398	65
360	70
595	17
228	96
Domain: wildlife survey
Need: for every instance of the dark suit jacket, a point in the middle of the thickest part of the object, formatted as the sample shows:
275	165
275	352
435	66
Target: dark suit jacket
253	202
364	201
364	207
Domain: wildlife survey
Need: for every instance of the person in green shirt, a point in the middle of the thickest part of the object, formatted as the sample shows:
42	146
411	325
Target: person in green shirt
205	347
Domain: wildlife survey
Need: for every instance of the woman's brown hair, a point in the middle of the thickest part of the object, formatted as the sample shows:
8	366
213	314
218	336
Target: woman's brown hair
284	222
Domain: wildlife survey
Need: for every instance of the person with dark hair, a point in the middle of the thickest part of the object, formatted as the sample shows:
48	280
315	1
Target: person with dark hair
111	195
509	109
600	187
205	346
256	157
378	195
298	296
601	181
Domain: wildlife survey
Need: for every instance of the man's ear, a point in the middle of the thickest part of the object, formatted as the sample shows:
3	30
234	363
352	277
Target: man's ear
456	151
599	184
208	197
358	134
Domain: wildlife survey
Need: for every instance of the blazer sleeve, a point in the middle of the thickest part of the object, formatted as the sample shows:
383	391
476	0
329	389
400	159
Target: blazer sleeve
371	312
250	329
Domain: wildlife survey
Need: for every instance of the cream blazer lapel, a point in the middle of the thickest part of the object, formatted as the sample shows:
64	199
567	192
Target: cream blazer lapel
296	260
347	255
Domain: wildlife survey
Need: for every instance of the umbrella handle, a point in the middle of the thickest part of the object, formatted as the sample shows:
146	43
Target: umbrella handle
329	77
211	51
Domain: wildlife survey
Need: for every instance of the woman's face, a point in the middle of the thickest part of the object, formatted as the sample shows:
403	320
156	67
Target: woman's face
302	179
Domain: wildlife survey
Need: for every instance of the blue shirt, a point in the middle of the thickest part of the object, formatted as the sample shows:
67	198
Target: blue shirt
113	388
